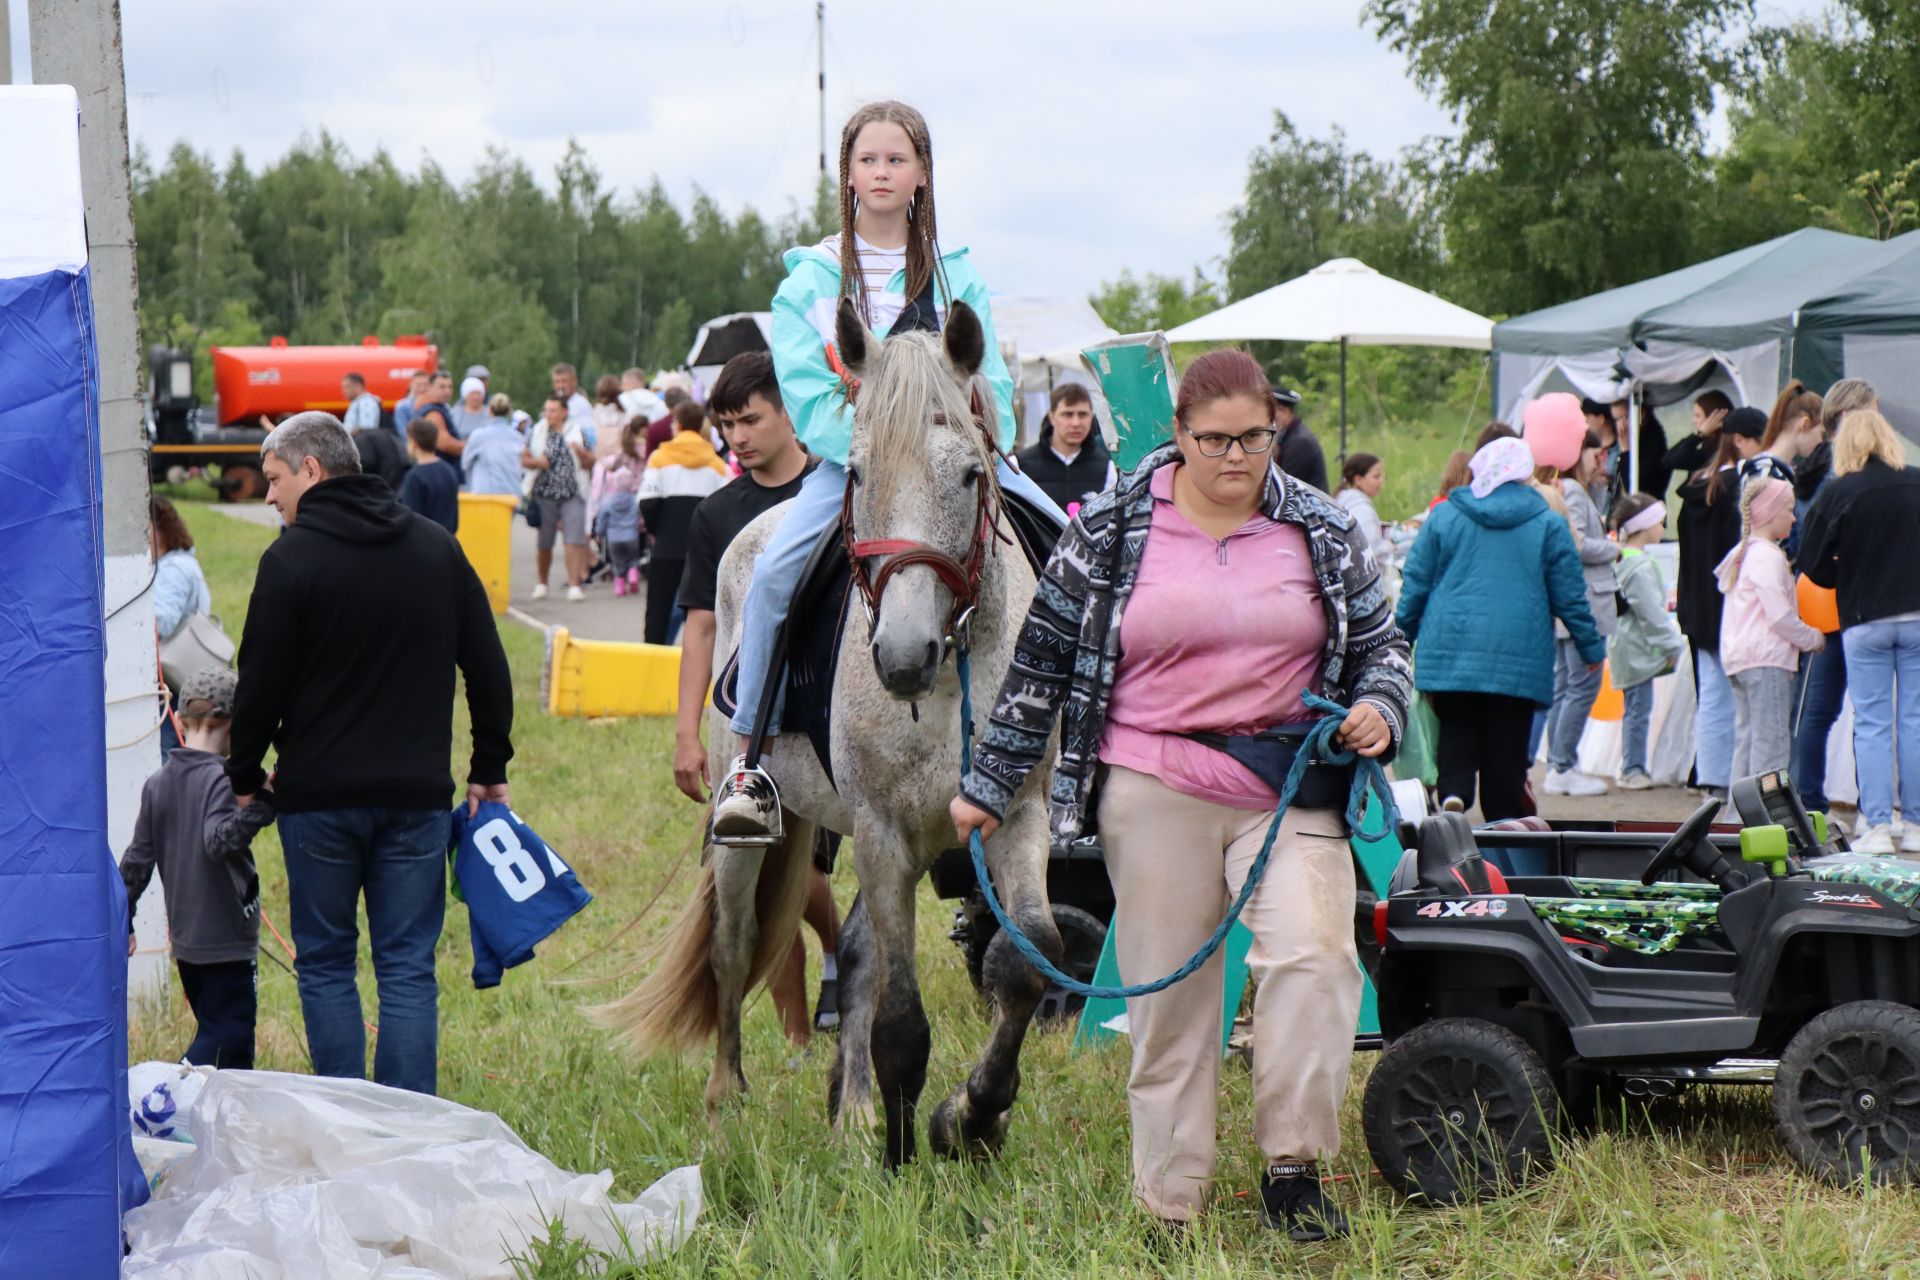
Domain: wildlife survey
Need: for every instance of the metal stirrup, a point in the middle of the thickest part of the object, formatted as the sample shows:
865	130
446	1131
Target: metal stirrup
776	830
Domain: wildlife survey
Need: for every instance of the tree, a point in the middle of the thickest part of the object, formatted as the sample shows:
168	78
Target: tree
1580	152
1308	200
1135	305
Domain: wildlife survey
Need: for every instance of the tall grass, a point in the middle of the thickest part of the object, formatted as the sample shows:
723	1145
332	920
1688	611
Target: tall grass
1698	1189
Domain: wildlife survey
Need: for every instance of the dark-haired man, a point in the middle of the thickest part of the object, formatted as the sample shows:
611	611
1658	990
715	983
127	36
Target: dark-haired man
1070	460
745	404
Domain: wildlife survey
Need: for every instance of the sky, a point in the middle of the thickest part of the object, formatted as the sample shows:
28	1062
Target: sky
1072	138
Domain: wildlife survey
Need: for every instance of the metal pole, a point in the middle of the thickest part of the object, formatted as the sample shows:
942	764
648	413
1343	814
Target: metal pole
820	54
6	46
1343	399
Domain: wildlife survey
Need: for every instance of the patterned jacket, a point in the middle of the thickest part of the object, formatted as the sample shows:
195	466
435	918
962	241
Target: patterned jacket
1069	646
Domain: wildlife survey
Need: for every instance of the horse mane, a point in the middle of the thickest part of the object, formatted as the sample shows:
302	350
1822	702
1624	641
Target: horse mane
906	385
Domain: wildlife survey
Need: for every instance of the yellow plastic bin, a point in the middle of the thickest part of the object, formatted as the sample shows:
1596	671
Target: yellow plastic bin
610	677
486	535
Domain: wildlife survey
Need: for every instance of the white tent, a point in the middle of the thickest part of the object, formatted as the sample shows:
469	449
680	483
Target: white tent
1342	301
1042	336
724	337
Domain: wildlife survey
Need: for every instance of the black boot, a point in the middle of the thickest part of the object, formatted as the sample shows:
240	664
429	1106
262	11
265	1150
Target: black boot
1292	1200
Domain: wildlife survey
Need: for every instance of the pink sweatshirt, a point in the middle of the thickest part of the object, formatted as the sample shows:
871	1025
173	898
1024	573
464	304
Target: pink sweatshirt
1217	637
1760	619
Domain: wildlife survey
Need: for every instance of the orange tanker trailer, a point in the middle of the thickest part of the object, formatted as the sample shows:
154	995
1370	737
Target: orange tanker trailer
252	383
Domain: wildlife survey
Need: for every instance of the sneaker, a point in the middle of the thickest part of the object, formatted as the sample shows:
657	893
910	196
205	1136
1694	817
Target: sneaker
1453	804
1292	1200
619	586
826	1014
1877	839
575	595
1910	837
747	808
539	591
1636	781
1572	782
633	579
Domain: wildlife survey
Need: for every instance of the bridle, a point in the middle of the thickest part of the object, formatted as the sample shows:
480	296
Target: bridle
891	555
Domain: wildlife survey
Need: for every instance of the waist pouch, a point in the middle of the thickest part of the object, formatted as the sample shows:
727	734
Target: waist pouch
1269	754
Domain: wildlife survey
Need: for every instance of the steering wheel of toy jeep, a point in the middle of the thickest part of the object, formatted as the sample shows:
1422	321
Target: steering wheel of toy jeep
1673	854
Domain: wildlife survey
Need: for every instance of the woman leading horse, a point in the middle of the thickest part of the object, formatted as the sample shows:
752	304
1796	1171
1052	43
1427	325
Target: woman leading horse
1178	623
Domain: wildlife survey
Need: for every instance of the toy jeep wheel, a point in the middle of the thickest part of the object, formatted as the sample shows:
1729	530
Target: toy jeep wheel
1847	1093
1459	1109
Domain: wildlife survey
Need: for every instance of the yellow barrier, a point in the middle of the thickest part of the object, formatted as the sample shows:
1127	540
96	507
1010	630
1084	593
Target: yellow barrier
609	677
486	534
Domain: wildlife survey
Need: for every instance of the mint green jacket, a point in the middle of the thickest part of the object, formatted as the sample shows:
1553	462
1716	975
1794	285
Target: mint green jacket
803	318
1646	643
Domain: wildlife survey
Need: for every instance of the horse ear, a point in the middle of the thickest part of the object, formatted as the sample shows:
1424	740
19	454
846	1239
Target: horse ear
965	339
852	338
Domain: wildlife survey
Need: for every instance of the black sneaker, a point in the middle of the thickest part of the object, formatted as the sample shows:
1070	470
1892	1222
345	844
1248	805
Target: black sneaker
747	810
1292	1200
1167	1235
826	1014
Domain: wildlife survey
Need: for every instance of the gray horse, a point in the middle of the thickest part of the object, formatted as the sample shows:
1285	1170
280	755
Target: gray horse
919	458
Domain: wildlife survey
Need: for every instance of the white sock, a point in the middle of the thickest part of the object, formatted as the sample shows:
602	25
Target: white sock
829	970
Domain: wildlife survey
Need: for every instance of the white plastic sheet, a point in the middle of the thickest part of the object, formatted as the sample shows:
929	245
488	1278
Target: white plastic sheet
304	1178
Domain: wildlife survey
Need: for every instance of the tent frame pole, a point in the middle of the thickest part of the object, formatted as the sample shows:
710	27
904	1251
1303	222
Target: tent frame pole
1343	399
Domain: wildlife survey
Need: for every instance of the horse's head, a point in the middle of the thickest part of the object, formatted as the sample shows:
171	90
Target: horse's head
916	473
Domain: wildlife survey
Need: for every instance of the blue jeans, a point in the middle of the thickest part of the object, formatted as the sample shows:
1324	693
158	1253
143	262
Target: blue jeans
1574	689
399	858
1825	675
1883	675
1712	720
1635	724
776	575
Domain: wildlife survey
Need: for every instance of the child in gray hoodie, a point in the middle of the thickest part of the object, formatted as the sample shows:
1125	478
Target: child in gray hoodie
197	833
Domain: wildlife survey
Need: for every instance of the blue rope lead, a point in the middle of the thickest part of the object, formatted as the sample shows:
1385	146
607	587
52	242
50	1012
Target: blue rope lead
1321	744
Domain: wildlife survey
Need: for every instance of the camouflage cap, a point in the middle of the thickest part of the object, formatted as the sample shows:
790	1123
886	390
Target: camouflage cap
208	692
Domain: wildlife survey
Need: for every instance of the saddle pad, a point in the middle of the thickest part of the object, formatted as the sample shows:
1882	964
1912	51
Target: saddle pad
808	650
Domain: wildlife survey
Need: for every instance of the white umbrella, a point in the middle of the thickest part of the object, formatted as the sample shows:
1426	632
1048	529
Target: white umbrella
1342	301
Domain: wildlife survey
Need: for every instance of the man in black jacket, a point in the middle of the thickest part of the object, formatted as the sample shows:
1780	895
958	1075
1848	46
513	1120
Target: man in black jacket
1070	461
1298	453
360	613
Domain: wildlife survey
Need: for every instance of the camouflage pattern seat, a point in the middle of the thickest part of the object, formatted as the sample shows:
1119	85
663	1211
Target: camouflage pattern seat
1645	925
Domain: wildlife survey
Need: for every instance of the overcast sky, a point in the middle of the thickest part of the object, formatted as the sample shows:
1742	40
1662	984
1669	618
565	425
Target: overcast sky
1072	138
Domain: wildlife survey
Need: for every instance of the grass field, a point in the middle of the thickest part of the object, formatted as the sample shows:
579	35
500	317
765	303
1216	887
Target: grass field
1699	1189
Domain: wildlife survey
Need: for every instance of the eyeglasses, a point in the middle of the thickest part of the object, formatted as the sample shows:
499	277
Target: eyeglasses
1215	444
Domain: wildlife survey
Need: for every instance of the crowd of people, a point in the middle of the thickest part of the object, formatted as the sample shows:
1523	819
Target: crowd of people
1773	509
1223	552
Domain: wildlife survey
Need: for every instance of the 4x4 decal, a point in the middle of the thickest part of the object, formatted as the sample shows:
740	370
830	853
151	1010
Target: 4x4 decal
1464	908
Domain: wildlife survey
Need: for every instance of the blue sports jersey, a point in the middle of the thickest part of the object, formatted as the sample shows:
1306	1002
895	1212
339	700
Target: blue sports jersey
516	888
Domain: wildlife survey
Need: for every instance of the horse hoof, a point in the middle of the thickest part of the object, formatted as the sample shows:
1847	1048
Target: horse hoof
950	1135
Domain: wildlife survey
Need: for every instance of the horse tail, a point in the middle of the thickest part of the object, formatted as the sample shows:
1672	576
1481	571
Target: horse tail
675	1007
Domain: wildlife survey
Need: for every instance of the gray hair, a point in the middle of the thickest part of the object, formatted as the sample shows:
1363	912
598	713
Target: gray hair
313	435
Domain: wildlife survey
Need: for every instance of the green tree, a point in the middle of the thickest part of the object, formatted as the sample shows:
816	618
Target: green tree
192	258
1308	200
1580	154
1133	304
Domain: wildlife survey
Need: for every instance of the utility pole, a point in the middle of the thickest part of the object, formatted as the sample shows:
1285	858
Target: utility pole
6	46
820	54
77	42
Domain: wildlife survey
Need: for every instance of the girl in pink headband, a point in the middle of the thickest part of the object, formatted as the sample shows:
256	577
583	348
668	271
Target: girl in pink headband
1646	644
1761	634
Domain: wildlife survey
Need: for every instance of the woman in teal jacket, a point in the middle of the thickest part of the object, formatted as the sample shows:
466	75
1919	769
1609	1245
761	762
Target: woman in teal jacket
1493	566
887	258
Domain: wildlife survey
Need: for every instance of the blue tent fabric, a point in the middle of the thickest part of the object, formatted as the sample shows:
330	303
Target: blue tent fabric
67	1171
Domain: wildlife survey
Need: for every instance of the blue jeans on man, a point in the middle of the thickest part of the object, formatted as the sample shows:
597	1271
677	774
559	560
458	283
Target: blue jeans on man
398	859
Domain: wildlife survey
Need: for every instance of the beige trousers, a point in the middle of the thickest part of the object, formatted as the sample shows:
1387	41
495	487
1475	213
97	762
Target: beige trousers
1176	864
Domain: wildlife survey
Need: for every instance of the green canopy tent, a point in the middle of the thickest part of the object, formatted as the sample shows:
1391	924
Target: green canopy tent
1813	304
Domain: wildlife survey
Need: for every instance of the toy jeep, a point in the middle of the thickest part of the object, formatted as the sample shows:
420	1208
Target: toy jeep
1766	955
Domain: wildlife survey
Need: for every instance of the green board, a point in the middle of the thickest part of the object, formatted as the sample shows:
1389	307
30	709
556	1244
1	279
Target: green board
1137	378
1376	859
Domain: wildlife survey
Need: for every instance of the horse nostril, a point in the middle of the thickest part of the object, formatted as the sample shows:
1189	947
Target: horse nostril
933	654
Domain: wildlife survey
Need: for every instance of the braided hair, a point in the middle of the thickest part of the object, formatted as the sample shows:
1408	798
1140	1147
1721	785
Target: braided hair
923	240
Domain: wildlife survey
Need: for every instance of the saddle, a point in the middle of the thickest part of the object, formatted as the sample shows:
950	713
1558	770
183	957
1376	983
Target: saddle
806	650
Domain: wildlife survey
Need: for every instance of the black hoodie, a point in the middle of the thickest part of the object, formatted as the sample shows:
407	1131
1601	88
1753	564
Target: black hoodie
361	610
